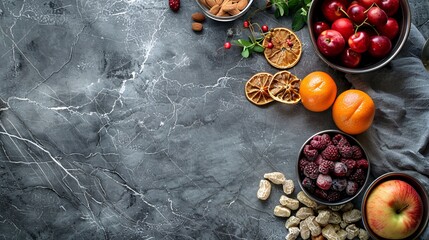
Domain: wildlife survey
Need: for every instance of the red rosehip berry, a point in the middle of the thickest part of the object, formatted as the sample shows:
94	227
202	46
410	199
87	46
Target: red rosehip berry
174	5
246	24
270	45
264	28
227	45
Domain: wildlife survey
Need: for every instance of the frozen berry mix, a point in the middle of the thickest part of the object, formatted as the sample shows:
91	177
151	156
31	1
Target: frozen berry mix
332	167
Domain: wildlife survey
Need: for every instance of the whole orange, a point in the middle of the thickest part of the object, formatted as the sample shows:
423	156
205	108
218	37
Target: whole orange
353	111
318	91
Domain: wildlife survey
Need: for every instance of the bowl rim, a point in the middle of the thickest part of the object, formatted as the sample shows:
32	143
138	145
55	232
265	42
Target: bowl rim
401	40
418	186
318	200
227	18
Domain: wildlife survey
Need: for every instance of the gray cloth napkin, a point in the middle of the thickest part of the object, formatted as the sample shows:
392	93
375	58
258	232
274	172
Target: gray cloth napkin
399	137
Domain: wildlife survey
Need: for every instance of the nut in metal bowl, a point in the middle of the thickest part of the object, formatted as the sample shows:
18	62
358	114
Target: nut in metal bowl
217	9
344	197
368	63
420	189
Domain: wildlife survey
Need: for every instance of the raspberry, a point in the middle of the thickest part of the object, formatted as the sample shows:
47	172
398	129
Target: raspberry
309	184
345	151
357	152
325	166
333	196
317	142
339	184
331	153
362	163
350	163
324	181
326	138
352	188
358	176
321	193
311	170
340	169
174	5
302	163
337	138
310	152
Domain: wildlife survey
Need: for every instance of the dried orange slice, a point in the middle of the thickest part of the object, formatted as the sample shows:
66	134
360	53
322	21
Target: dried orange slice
256	88
287	48
284	87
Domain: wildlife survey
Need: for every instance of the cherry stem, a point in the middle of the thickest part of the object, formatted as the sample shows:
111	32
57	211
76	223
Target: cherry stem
345	12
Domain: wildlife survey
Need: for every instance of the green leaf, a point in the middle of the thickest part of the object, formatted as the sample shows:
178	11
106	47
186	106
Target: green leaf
293	3
281	11
298	21
237	43
258	49
244	43
307	2
245	53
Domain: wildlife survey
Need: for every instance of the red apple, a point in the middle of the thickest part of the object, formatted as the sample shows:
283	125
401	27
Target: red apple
394	209
390	6
330	43
390	29
379	46
344	26
333	9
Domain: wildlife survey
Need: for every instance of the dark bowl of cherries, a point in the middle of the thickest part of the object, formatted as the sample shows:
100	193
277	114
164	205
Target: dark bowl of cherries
358	36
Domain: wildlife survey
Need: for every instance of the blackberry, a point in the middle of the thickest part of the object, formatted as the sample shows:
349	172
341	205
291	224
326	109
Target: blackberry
345	151
362	163
325	166
340	169
302	163
321	193
333	196
311	170
339	184
331	153
352	188
309	184
357	152
358	176
310	152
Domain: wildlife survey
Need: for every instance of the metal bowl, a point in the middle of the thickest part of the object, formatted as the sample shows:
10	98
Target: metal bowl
352	142
368	63
223	18
415	184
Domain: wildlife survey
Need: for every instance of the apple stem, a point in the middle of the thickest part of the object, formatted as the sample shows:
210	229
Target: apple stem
402	208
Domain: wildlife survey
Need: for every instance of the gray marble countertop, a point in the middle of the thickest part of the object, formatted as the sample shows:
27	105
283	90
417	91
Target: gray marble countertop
117	121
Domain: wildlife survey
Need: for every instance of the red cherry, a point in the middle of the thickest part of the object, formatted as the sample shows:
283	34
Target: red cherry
350	58
356	13
359	42
270	45
390	30
379	46
319	27
246	24
344	26
227	45
377	16
264	28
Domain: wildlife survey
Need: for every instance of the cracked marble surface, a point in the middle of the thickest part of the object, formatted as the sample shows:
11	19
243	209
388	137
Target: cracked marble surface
119	122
